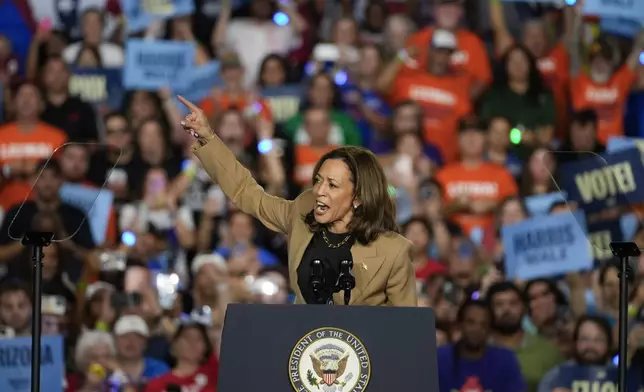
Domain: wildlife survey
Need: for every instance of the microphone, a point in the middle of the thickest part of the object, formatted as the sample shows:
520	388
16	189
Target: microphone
316	279
346	280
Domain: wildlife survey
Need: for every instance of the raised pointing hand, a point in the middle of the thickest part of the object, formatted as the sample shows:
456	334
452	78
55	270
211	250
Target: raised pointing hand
196	123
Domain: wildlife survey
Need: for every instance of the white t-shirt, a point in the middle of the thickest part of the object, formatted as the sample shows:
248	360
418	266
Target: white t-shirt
254	40
111	54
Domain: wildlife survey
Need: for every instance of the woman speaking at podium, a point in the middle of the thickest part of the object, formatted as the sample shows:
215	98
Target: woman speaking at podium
341	232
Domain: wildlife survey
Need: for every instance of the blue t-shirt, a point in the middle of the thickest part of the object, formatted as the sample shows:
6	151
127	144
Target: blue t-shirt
153	368
497	371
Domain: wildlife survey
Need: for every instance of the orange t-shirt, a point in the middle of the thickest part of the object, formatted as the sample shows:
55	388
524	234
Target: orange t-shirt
306	157
471	58
488	181
25	148
555	71
225	102
608	100
444	101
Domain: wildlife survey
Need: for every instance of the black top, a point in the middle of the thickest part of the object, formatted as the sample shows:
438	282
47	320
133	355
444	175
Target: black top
331	258
75	117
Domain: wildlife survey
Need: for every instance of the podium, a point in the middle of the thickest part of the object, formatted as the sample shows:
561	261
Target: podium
322	348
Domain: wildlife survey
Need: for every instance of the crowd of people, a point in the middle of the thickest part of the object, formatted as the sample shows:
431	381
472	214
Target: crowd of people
472	107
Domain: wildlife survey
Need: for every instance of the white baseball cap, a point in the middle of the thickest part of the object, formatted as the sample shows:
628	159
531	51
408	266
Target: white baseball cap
443	39
131	323
209	258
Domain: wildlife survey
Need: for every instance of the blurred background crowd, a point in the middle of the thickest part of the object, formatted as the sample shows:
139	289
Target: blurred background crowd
474	107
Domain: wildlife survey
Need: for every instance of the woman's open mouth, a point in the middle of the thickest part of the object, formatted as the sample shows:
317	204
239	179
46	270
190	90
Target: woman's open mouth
321	208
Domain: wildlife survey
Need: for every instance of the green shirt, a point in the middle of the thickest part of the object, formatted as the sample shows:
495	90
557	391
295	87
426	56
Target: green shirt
520	109
537	356
344	131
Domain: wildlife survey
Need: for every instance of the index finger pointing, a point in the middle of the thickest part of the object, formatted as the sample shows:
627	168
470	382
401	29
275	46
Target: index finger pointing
188	104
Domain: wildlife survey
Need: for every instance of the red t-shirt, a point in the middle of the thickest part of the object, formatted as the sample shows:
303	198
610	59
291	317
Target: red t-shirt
203	380
431	268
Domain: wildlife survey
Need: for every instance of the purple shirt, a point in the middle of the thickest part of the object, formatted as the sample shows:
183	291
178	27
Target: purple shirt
497	371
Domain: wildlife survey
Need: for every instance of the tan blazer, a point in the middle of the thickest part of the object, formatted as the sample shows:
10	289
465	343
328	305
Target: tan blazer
383	270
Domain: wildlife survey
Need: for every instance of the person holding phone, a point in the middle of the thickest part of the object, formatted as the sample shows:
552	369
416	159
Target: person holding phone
348	215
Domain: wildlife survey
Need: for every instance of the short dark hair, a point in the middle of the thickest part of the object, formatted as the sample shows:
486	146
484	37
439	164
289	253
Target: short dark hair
15	286
502	287
49	164
418	219
377	211
584	117
600	321
474	303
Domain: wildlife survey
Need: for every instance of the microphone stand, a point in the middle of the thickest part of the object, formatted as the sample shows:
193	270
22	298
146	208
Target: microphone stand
623	250
37	240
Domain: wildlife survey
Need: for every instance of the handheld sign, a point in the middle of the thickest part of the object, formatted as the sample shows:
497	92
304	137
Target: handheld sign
139	14
95	203
605	181
625	9
618	26
600	235
283	101
198	84
100	86
540	204
616	144
586	378
152	65
545	246
15	364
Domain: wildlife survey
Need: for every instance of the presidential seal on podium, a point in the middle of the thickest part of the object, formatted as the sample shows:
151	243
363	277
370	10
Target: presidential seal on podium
330	360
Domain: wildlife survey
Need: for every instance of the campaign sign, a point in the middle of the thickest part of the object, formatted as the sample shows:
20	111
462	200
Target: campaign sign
283	101
546	246
616	144
600	235
540	204
586	378
625	9
98	86
198	84
15	364
605	181
94	202
139	14
618	26
152	65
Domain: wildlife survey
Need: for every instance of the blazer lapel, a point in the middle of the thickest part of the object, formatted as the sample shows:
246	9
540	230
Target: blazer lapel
300	239
366	263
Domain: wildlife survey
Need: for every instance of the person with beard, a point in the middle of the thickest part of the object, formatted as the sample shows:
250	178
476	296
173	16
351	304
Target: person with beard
472	364
593	348
536	355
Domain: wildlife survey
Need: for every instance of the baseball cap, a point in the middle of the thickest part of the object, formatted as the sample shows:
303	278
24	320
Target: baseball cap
443	39
212	258
131	323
